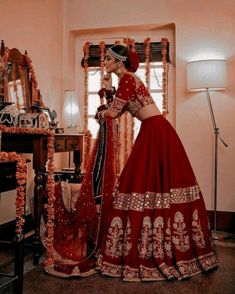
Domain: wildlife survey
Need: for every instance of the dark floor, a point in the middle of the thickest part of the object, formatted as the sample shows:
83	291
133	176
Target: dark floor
36	281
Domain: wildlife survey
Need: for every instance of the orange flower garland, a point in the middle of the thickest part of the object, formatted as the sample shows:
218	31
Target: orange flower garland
3	71
51	199
86	56
164	42
118	147
21	177
102	58
125	138
147	61
31	71
35	90
132	131
130	43
50	184
87	133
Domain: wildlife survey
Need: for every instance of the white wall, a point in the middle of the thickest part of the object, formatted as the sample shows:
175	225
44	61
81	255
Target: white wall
203	29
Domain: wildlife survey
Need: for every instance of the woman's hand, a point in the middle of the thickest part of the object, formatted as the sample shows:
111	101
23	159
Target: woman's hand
108	82
99	116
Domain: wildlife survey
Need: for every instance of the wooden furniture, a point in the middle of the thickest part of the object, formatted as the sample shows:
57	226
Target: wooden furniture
37	145
18	73
8	182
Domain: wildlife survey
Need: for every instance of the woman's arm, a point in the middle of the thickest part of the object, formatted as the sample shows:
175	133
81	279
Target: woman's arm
111	113
124	92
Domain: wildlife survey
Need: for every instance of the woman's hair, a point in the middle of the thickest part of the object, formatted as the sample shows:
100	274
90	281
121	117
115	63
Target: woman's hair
122	51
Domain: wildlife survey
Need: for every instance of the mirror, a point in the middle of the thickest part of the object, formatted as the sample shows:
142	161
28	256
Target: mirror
15	85
18	83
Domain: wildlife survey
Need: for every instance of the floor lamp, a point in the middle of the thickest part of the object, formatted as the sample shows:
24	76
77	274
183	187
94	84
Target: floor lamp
206	75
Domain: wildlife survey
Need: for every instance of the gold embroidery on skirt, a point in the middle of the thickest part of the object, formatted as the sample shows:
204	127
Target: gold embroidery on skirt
151	200
181	238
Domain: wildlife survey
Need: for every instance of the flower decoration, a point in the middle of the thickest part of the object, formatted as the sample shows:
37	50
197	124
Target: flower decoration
164	42
147	61
87	133
102	58
21	177
50	185
35	91
3	62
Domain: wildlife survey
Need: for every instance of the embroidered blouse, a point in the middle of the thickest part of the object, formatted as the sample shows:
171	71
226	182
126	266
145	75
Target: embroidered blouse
131	95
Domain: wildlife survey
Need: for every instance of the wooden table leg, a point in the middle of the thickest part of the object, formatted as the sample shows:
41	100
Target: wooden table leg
38	197
77	163
39	163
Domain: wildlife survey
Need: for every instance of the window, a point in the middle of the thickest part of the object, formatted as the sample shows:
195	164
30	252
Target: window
94	86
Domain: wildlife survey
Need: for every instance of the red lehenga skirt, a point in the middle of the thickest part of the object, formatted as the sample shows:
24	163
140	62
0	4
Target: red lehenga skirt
158	227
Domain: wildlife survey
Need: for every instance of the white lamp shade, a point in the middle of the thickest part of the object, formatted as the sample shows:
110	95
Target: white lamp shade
71	109
206	74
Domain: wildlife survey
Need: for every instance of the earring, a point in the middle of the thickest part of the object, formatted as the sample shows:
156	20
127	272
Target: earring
118	72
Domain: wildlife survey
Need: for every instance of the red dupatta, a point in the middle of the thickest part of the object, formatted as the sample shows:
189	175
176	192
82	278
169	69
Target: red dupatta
77	233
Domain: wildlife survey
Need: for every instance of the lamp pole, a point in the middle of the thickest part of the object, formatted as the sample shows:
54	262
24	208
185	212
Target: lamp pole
217	136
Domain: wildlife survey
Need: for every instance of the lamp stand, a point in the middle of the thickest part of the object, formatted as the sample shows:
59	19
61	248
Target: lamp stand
216	235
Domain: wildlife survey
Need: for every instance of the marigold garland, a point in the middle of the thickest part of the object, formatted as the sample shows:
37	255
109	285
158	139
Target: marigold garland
87	147
118	147
86	56
32	76
6	55
21	177
125	138
3	71
147	61
164	42
50	183
102	58
132	131
130	43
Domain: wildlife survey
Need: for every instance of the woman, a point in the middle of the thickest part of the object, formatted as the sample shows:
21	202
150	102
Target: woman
153	224
157	227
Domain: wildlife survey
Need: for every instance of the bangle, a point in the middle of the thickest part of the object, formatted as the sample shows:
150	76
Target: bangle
109	93
101	114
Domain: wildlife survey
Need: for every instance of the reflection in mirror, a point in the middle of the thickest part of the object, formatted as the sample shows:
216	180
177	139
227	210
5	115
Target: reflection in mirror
16	86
